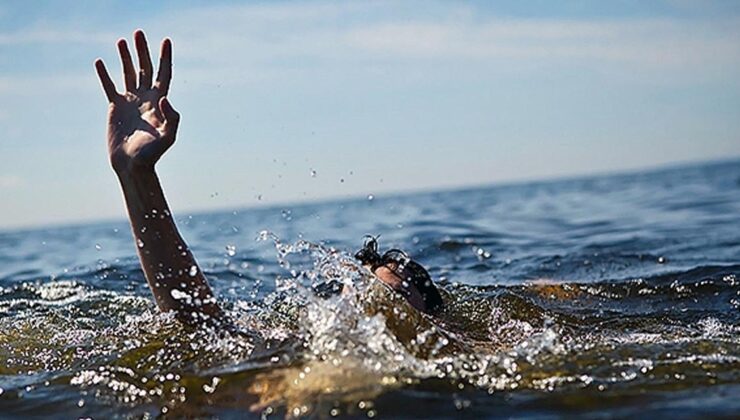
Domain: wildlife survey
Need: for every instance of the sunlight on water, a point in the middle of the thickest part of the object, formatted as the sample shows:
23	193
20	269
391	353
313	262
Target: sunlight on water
303	354
316	334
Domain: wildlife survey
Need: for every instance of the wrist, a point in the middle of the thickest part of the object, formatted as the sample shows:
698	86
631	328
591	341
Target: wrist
130	173
139	183
143	194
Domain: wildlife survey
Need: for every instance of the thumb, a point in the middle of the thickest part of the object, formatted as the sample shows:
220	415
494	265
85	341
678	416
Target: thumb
171	117
168	111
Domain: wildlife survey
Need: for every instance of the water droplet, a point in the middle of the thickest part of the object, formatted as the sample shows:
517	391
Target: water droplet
662	260
482	254
370	197
139	243
98	247
81	403
193	270
341	180
313	173
1	391
231	250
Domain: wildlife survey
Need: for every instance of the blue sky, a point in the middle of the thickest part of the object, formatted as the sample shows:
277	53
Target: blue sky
375	97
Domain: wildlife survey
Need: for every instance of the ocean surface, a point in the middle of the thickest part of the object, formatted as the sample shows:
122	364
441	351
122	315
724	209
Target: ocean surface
605	296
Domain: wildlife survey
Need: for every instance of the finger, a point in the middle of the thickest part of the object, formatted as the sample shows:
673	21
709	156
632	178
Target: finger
145	62
108	86
129	77
164	75
171	117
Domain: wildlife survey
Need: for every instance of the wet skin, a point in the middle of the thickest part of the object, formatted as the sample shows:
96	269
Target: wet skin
387	275
142	126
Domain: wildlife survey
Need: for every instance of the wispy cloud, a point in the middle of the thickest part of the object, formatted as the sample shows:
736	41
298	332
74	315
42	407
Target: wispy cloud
665	43
9	182
23	85
48	36
264	37
258	37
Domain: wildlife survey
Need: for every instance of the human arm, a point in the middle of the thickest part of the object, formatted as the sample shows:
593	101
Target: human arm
142	125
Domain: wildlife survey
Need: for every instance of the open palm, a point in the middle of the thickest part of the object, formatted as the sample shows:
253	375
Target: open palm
141	122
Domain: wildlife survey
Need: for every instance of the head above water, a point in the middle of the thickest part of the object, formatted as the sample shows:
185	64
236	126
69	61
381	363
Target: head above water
369	255
396	269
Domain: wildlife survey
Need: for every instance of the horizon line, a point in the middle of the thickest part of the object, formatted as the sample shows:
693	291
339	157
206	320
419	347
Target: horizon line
387	194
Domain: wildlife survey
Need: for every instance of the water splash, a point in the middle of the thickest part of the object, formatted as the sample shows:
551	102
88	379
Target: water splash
305	353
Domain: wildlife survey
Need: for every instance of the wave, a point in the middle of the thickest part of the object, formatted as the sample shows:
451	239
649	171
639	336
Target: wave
309	354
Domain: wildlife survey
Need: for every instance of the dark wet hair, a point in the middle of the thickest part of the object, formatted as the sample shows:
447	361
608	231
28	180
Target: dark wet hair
369	255
413	272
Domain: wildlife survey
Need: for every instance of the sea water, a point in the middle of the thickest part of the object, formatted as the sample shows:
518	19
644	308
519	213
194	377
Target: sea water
599	296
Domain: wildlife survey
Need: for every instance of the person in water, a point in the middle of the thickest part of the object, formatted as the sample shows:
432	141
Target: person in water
402	274
142	126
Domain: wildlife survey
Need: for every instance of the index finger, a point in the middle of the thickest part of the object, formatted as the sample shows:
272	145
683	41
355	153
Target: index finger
108	86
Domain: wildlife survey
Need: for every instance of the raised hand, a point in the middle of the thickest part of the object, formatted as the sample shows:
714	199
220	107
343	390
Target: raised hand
141	121
141	127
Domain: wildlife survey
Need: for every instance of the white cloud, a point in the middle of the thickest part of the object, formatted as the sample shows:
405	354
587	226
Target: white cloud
9	182
54	36
265	38
257	37
23	85
664	43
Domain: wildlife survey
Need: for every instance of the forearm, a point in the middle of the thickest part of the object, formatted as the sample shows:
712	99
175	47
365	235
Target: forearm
171	270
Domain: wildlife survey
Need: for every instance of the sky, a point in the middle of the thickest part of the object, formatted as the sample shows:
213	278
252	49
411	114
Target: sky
284	102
